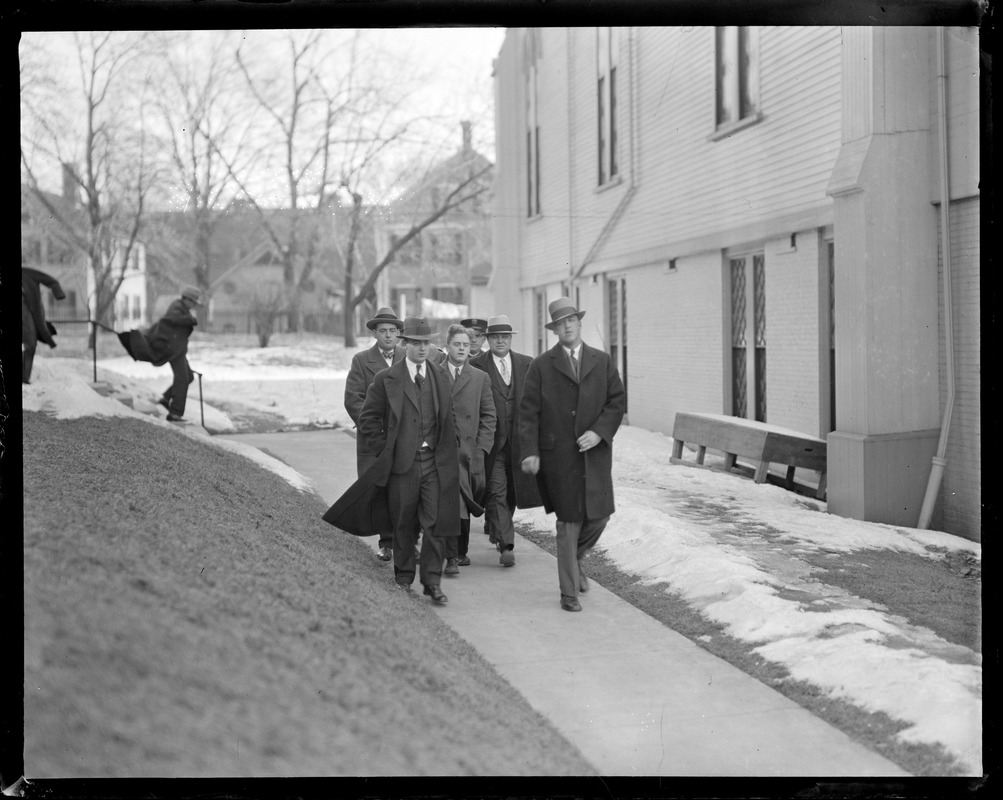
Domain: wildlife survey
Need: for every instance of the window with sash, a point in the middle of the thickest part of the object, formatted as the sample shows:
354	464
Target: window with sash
737	76
607	60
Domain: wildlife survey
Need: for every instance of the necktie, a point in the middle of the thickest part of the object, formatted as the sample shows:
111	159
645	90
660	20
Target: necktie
504	370
388	354
456	373
574	363
418	377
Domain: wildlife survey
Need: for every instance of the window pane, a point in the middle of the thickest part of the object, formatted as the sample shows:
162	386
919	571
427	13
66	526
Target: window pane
727	74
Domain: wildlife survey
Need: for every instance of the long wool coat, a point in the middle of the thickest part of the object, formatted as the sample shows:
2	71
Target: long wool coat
556	409
362	509
364	367
522	488
474	418
34	326
165	340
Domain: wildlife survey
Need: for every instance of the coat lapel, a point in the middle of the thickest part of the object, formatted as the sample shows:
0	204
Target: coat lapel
561	361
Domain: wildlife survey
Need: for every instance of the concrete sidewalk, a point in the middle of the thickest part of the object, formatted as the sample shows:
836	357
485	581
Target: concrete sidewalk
634	696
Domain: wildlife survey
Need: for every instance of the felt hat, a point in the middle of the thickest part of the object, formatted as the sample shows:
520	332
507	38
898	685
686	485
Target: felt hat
561	308
417	328
192	293
385	314
499	324
476	323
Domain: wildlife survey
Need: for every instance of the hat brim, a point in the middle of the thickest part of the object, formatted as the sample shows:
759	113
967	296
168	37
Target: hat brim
490	333
374	322
550	325
419	337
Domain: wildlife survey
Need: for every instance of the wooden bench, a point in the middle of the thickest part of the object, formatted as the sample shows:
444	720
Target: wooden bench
758	441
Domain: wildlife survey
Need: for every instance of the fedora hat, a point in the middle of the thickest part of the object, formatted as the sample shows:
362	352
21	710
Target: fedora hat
561	308
417	328
193	294
476	323
385	314
499	324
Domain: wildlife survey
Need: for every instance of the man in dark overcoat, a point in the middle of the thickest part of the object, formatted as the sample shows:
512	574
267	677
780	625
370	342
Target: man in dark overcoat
384	353
407	418
35	327
166	342
474	418
572	407
508	487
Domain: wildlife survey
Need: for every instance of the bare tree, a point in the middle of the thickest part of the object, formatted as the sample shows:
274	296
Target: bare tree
202	118
267	302
458	192
102	144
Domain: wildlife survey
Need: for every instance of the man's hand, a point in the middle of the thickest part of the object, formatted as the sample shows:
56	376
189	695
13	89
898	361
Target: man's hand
531	465
588	440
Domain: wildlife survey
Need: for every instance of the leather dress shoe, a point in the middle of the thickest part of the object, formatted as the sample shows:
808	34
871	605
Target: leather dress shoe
452	567
385	554
175	418
165	403
436	594
507	558
463	561
404	587
569	603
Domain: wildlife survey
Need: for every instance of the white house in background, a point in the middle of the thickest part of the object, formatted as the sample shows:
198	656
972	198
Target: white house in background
132	298
758	222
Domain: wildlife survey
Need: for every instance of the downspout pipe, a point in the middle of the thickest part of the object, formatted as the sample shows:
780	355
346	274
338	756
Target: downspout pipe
939	460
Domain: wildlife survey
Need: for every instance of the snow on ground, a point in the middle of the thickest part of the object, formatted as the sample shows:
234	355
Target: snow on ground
728	545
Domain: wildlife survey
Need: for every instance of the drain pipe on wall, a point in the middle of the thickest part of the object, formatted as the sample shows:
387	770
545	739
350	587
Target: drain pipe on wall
939	460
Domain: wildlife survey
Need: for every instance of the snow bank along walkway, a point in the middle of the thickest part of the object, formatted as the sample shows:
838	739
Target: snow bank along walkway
635	697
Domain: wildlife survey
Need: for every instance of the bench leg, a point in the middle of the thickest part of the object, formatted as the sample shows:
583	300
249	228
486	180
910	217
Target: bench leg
820	494
790	477
701	451
677	448
729	460
761	470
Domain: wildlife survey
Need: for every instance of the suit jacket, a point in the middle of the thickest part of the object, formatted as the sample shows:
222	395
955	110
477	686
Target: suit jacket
31	293
556	409
365	365
522	488
389	421
474	418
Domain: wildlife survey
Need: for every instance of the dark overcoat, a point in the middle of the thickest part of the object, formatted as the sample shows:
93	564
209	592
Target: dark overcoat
365	365
165	340
31	299
474	418
522	488
362	509
556	409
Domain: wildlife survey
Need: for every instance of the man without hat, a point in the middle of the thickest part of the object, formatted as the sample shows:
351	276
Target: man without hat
508	487
384	353
572	407
407	420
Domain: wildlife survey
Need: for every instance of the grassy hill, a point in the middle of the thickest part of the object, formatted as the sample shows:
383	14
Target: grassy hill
187	613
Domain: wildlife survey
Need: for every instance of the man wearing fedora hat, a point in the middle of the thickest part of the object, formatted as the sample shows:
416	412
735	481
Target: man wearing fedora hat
572	407
507	488
407	421
384	353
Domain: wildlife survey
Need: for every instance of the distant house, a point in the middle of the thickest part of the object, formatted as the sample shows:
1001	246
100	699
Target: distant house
757	224
48	246
434	274
246	270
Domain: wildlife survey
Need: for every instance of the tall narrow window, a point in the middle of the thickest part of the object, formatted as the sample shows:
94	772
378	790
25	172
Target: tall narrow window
540	320
737	73
607	61
532	54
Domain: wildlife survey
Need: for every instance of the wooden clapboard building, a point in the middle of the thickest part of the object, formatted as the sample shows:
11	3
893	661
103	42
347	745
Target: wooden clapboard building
759	223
